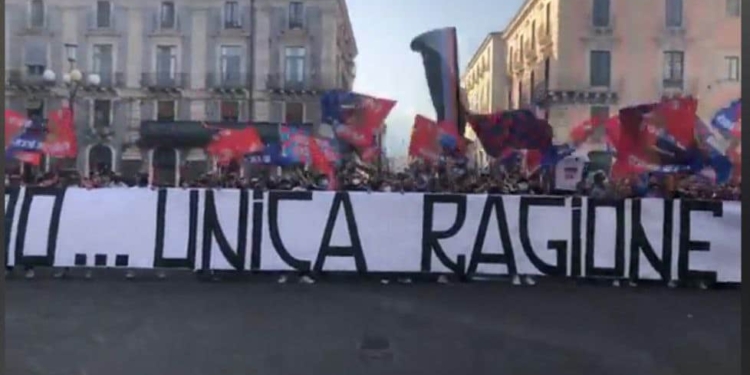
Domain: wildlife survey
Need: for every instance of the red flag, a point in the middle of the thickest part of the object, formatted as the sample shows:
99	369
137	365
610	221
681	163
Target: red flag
424	142
679	119
33	158
61	141
14	123
364	121
532	161
233	144
321	163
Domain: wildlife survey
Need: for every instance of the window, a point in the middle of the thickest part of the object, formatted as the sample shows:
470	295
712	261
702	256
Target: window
167	20
674	63
533	34
166	63
35	57
674	13
294	65
165	110
231	57
547	18
600	68
520	95
232	15
37	13
35	70
102	62
733	68
294	113
296	15
230	111
600	14
733	8
102	113
103	14
598	115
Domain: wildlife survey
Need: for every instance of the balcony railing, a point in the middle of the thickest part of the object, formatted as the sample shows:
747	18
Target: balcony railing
165	80
228	80
112	79
673	83
20	77
280	82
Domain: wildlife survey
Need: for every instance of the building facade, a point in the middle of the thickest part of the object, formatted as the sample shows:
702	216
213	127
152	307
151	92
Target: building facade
484	83
168	67
587	58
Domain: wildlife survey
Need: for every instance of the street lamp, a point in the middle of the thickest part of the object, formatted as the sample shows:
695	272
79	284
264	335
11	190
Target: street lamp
73	79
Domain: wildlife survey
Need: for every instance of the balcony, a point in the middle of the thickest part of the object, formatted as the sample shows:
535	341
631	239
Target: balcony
21	79
529	52
230	83
278	83
111	80
545	40
165	81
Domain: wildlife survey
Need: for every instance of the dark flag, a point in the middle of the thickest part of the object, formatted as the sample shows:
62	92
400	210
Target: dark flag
439	49
502	132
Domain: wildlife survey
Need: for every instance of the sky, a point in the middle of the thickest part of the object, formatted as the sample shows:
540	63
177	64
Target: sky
387	68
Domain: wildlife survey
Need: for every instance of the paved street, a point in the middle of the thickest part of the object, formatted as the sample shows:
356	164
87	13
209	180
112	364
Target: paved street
183	326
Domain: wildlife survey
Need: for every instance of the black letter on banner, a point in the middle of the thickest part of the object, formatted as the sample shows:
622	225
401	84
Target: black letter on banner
10	211
575	238
687	245
257	238
619	269
639	242
494	202
431	239
54	224
355	250
161	211
212	229
274	197
559	246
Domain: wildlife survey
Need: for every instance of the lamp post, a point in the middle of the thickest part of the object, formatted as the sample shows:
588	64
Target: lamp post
73	79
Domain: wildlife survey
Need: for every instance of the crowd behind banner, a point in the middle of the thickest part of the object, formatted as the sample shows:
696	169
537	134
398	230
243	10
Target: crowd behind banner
660	149
420	177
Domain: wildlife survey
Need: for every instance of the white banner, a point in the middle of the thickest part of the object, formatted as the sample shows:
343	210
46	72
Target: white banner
373	232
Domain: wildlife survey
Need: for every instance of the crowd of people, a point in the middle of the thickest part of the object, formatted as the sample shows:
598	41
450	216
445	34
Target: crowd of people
508	180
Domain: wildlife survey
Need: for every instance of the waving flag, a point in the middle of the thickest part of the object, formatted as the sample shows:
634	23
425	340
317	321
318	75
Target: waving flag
321	161
659	133
14	125
356	119
439	50
233	144
719	151
270	155
729	119
511	130
424	140
292	144
28	145
296	145
61	141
